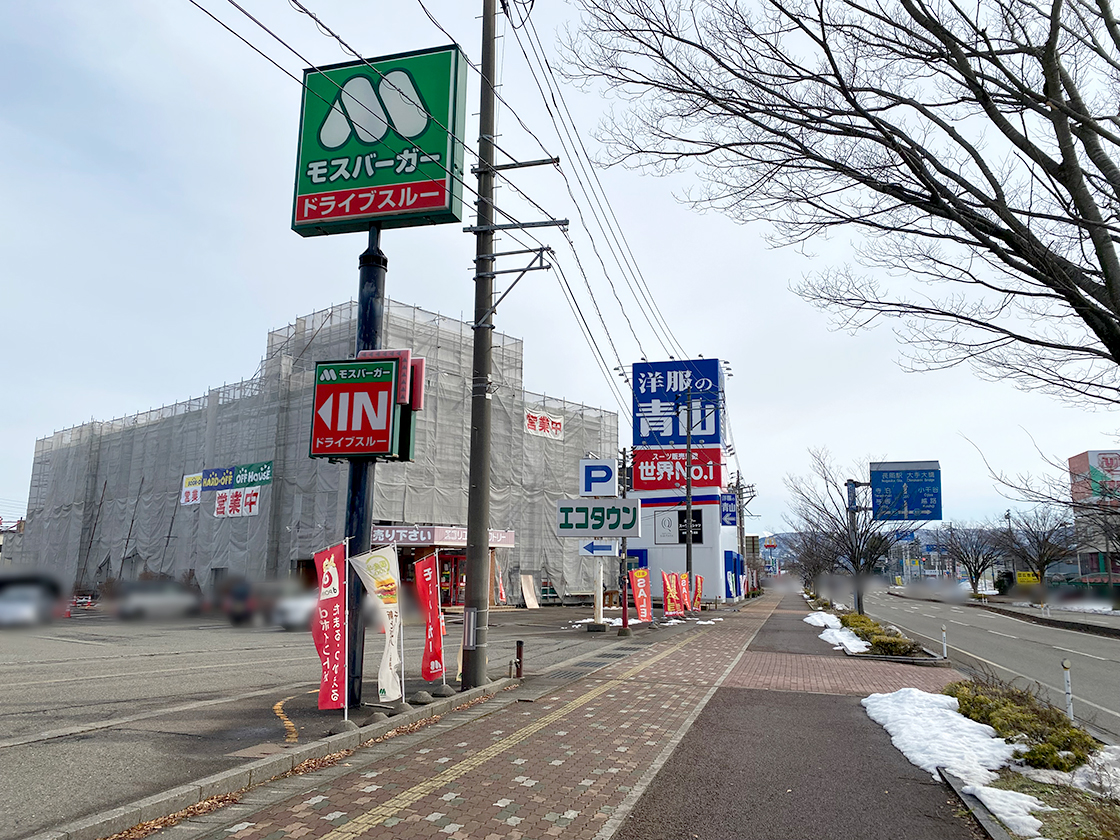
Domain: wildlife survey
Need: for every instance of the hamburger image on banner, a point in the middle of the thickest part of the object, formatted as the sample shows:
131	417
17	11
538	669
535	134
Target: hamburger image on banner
380	574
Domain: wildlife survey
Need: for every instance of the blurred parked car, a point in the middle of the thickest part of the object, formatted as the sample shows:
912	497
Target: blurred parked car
26	604
156	599
293	610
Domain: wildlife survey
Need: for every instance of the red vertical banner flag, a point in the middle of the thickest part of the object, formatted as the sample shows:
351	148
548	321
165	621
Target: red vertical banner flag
699	592
671	599
427	591
682	587
639	585
328	629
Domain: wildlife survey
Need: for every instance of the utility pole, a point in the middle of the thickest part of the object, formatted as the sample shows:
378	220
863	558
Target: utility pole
372	268
688	492
476	608
624	630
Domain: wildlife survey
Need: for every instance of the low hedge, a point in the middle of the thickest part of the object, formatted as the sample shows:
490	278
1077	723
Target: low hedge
1048	739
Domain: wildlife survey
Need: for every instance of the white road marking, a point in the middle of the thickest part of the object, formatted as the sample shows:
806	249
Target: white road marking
156	671
1005	635
927	615
75	641
961	623
171	710
1081	653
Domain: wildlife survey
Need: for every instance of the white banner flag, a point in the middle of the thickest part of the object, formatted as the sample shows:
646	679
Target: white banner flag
380	573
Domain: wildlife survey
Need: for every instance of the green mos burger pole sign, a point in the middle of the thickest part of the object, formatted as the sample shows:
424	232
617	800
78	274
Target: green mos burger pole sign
382	141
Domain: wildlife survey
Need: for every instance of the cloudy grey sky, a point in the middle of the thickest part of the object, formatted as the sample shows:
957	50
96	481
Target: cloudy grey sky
146	250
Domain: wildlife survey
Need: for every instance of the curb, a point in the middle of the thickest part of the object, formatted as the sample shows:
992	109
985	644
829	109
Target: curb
252	774
932	661
992	827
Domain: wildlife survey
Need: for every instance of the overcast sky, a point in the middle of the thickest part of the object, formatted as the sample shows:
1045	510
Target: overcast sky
146	250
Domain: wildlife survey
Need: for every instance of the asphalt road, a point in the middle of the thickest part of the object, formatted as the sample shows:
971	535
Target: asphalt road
1016	649
110	712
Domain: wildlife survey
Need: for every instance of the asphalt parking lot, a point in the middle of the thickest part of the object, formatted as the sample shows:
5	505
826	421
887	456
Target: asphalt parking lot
112	711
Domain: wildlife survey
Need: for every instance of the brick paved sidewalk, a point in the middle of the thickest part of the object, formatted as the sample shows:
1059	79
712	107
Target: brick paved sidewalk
573	763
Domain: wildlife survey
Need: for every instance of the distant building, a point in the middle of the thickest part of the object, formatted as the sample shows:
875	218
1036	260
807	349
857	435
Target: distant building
107	499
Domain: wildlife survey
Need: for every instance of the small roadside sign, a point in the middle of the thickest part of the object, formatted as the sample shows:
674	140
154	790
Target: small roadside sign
598	517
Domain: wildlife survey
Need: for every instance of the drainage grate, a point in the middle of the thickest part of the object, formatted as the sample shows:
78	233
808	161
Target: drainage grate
564	675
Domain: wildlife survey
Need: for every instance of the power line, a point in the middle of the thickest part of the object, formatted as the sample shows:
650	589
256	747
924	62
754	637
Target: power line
598	196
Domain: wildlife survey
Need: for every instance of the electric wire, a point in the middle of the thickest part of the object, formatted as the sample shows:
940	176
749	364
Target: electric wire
613	232
565	285
460	179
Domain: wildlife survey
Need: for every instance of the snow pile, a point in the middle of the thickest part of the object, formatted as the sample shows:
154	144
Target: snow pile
1012	808
1101	608
844	638
1101	775
705	622
834	634
610	622
822	619
931	733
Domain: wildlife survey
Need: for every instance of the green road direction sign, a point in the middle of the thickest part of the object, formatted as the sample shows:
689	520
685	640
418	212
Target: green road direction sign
382	141
598	517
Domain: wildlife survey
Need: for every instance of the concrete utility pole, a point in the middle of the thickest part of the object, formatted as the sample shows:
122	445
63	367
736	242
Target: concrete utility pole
476	609
624	574
372	268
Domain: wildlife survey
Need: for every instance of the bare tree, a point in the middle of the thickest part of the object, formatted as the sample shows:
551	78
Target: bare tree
1038	538
815	555
973	146
973	547
819	506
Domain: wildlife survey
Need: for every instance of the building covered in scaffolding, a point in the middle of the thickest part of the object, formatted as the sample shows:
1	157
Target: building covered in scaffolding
114	501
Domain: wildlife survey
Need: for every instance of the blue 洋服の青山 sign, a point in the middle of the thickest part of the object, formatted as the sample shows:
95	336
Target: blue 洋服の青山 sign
666	393
728	509
905	490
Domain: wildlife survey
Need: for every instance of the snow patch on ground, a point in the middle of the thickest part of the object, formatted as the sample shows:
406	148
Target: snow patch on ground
822	619
844	638
931	733
1012	808
837	636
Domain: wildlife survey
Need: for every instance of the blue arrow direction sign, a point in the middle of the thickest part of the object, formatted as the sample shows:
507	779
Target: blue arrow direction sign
608	548
600	548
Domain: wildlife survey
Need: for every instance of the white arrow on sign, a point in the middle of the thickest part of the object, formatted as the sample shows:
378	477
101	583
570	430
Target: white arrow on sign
350	418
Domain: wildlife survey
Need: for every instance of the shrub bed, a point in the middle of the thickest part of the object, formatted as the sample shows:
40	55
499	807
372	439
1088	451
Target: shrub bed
884	641
1048	739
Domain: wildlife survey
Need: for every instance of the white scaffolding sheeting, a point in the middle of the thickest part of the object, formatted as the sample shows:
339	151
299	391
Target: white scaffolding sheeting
104	496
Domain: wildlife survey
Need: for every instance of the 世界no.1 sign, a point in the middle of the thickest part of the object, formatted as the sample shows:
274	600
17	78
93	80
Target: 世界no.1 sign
381	141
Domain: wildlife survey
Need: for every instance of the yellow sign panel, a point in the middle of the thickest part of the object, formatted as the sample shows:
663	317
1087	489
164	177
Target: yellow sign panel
1026	577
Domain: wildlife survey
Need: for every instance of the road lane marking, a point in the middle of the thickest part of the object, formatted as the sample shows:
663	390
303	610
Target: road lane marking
1005	635
1058	692
961	623
1081	653
89	677
291	733
927	615
75	641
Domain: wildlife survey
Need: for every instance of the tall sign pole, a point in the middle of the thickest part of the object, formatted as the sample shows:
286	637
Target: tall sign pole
372	268
688	493
476	605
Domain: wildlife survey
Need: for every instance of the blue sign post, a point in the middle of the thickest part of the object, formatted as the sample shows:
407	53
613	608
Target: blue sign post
906	490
